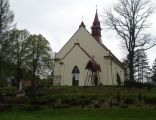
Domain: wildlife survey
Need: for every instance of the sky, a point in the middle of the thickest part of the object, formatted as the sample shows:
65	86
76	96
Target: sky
58	20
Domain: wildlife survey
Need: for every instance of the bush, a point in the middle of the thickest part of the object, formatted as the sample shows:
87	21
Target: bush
110	104
150	100
59	105
16	100
133	84
45	83
124	106
129	101
26	107
139	96
3	83
83	101
102	100
8	90
45	100
67	100
5	107
2	100
97	105
118	97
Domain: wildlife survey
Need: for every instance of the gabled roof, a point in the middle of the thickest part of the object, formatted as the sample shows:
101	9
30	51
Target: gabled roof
110	56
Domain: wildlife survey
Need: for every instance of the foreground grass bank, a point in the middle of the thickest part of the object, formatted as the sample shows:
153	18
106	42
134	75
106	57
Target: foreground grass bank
81	114
79	97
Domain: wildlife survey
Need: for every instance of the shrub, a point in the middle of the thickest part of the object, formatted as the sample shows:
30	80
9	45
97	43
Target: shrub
150	100
2	100
97	105
67	100
59	106
110	104
5	107
118	97
129	101
82	101
85	102
3	83
124	106
26	107
102	100
16	100
133	84
8	90
139	96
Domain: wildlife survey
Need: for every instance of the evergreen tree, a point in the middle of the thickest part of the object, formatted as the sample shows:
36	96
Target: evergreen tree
126	69
141	67
154	71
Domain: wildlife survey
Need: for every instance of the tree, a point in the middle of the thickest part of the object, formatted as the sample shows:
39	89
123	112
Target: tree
18	52
40	61
141	67
154	71
126	69
6	20
129	19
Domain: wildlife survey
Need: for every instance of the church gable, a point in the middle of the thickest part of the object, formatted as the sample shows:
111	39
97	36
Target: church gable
86	53
85	39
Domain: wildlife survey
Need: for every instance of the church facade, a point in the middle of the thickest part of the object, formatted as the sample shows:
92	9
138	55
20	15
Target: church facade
85	61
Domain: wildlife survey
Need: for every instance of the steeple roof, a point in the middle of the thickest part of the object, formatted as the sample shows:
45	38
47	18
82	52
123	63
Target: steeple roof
96	28
96	18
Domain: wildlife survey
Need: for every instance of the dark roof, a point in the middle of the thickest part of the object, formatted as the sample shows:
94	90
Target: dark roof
96	18
82	25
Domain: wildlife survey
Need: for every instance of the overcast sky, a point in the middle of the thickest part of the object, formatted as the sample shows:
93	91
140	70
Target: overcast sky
58	20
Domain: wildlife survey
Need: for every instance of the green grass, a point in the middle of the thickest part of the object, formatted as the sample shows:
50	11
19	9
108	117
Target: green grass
106	92
81	114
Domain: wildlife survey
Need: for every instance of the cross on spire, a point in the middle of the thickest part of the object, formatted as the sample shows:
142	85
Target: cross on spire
96	7
82	24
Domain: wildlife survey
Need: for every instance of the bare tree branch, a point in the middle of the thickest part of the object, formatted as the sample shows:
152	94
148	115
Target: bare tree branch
129	19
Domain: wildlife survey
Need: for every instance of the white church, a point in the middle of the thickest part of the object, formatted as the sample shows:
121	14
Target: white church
85	61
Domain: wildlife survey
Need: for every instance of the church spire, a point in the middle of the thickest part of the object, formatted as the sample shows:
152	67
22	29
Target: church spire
96	29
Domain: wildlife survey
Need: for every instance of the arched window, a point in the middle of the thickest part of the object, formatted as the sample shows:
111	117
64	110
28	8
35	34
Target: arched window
75	73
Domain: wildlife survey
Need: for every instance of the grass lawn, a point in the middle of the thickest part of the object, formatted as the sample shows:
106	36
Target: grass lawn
82	114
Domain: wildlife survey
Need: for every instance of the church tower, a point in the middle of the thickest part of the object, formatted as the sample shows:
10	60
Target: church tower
96	29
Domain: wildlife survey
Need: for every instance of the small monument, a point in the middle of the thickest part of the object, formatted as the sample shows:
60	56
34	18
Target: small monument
20	92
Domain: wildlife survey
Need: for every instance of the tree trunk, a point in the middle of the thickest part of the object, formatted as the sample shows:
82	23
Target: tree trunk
18	77
131	66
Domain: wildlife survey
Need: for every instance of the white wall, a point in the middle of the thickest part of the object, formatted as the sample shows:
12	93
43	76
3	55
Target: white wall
77	57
